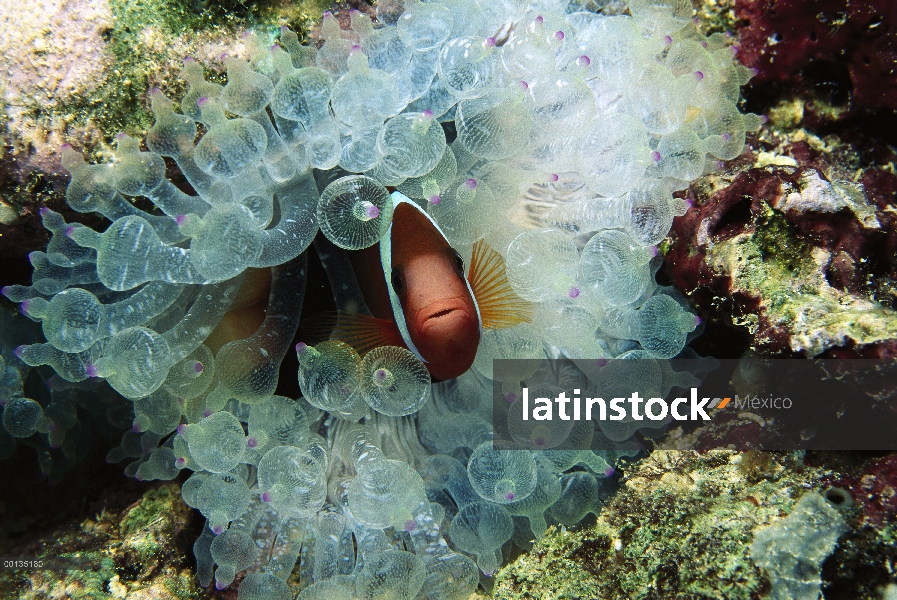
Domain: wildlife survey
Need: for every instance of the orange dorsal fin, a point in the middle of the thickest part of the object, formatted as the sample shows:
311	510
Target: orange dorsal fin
500	306
364	333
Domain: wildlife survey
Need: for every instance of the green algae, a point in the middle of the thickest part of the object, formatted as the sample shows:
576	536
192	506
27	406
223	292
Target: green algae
681	527
148	41
139	41
135	554
790	279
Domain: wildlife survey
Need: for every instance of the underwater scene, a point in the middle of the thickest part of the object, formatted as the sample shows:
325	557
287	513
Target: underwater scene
448	299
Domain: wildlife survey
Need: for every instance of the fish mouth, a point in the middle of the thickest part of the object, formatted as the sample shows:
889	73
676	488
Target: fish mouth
438	311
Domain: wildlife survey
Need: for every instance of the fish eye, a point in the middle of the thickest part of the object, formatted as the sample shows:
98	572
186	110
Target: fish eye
398	282
458	262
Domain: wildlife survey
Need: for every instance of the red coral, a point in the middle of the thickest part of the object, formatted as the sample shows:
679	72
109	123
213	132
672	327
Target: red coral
863	259
789	41
875	491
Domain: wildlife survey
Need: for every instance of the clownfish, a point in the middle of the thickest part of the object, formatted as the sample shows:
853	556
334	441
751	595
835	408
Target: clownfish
414	284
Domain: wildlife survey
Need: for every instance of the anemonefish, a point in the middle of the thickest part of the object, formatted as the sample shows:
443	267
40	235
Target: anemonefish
414	284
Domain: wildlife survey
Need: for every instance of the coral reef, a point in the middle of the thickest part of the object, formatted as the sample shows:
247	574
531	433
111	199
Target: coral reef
794	248
135	552
683	523
55	52
839	54
792	551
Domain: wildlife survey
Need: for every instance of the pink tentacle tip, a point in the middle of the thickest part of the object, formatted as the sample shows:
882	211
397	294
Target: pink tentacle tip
206	413
284	29
182	429
602	362
274	47
301	347
510	496
523	84
427	114
252	442
197	367
735	49
471	184
136	428
155	91
654	251
558	35
754	71
510	397
698	320
20	351
202	102
92	371
609	471
434	200
69	231
689	203
120	135
764	119
189	60
372	212
266	497
667	40
584	61
23	307
553	177
539	19
180	462
328	14
355	48
353	11
43	211
409	525
219	586
703	44
699	75
489	42
180	220
573	292
725	137
655	156
65	147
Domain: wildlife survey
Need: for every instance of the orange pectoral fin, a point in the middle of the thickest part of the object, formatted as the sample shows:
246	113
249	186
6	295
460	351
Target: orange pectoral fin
500	306
365	333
